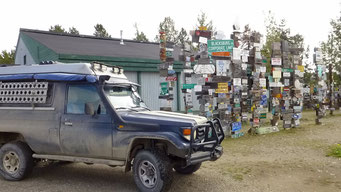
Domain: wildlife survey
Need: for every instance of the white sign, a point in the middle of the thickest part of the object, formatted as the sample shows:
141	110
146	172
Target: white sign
245	55
277	74
275	84
286	74
276	61
236	54
188	70
197	88
244	81
262	82
318	56
204	69
203	40
221	66
244	66
237	81
262	69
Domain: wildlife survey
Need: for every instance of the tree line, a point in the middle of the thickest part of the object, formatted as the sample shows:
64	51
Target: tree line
275	31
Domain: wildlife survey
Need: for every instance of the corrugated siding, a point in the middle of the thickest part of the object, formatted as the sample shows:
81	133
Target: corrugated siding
150	90
132	76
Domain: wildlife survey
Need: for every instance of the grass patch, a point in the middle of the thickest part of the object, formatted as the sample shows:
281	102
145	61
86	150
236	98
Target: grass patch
334	151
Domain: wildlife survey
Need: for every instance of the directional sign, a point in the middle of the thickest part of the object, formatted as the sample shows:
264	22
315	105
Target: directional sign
220	45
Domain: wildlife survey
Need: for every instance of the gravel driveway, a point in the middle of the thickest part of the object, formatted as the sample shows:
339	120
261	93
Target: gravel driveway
290	160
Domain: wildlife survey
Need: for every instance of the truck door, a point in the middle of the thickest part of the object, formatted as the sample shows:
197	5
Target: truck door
81	134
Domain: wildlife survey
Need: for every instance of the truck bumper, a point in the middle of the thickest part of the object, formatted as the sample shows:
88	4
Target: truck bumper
205	142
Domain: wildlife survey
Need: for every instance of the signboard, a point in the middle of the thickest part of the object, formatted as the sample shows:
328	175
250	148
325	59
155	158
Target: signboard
188	86
221	54
203	28
276	61
262	82
222	88
237	81
204	69
221	66
164	88
236	126
220	45
171	78
288	70
262	116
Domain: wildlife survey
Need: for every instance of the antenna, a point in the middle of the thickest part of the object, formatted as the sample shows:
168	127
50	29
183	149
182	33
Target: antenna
122	43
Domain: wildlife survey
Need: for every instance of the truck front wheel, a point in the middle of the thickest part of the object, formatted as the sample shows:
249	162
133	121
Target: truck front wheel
187	170
16	161
152	171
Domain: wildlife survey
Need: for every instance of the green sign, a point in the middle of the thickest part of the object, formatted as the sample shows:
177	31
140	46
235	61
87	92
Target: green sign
188	86
220	46
169	53
287	70
164	88
262	116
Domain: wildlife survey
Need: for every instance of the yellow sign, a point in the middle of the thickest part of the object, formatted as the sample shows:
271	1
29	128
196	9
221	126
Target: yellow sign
203	28
300	67
221	90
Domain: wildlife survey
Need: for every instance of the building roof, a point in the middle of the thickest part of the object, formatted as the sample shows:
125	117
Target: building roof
95	46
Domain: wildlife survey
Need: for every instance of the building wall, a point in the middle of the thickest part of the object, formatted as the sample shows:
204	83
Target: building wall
132	76
150	90
21	52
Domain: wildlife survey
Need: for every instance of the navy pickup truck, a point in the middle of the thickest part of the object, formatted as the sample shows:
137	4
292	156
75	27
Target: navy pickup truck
92	113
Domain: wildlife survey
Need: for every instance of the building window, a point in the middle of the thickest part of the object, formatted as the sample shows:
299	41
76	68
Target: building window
24	59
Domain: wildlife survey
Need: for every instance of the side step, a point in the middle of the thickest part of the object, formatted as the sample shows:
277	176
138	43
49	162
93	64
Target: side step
80	159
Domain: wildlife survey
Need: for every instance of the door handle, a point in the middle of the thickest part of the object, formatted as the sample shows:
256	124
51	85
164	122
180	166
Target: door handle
67	123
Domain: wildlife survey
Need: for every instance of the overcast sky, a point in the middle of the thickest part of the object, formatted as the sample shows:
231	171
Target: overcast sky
309	18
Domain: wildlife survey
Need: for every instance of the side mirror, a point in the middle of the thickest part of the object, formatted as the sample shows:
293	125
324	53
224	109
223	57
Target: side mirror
89	109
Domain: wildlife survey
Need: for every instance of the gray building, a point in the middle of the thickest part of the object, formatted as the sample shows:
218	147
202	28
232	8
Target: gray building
139	59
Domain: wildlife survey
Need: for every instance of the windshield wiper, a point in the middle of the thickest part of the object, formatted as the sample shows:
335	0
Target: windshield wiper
126	108
142	107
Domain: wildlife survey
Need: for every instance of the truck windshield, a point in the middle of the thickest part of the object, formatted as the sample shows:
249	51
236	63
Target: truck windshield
124	98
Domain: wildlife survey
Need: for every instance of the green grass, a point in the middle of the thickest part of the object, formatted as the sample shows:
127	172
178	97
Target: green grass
334	151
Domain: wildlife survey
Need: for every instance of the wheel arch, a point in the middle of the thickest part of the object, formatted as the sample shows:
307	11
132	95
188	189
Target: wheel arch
161	143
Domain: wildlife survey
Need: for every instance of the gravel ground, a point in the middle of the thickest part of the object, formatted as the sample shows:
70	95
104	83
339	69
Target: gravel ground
290	160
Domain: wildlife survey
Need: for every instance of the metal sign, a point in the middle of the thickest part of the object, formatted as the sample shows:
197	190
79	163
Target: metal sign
220	45
204	69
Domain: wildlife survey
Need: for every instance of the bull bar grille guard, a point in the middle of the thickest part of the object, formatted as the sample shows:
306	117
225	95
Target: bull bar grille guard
205	144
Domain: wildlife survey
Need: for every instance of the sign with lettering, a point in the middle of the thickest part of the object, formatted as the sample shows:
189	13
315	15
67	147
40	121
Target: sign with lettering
220	45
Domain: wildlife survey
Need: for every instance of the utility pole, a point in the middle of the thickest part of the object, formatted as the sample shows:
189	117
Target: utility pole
331	95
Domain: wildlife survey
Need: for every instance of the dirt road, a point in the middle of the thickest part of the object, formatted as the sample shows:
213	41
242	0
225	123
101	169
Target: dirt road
292	160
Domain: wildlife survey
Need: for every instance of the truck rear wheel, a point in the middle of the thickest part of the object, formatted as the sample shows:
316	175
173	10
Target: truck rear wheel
152	171
16	161
187	170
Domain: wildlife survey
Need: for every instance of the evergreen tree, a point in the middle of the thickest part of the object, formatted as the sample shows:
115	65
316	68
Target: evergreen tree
7	57
57	29
100	31
140	36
